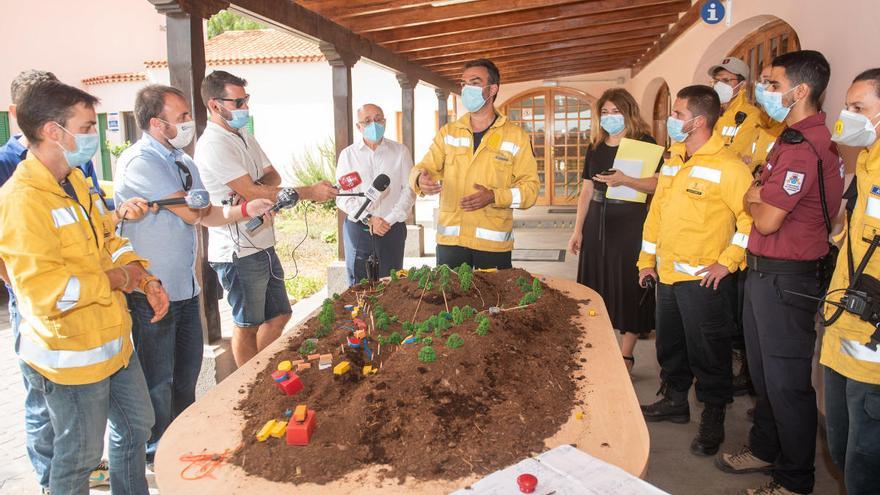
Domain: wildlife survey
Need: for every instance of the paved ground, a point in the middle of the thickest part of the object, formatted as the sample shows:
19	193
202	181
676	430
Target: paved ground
671	466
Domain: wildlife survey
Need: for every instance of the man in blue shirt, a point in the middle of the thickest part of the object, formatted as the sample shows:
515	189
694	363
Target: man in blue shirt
155	167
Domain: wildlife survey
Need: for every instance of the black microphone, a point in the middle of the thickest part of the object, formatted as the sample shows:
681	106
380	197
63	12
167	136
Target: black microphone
380	183
196	199
286	198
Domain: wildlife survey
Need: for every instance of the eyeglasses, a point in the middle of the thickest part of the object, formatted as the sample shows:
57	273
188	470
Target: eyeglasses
239	102
186	178
366	122
730	81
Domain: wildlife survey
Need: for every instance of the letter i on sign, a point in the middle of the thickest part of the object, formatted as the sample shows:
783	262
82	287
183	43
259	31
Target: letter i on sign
712	12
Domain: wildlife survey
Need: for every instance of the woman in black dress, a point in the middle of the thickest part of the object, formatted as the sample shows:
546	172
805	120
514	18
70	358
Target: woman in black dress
608	233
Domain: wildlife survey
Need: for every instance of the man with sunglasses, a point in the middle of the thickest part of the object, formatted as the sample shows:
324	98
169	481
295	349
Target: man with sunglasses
234	166
739	121
155	167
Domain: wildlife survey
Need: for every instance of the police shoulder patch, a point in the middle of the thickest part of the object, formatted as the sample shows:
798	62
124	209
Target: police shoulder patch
793	183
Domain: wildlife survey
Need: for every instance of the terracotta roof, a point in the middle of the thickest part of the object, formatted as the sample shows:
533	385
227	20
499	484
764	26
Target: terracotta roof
259	46
115	78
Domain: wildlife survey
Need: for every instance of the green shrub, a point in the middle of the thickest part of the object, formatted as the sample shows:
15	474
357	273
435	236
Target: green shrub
308	347
303	286
482	325
427	354
454	341
395	338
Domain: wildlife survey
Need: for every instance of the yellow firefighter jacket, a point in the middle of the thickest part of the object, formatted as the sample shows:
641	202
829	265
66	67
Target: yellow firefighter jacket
74	329
843	348
739	138
697	216
504	163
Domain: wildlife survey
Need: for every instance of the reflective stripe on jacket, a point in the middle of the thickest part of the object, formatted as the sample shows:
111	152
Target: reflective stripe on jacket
843	345
74	329
697	216
504	163
739	138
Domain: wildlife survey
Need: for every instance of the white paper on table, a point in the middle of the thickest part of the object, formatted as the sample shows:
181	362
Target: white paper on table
564	470
630	168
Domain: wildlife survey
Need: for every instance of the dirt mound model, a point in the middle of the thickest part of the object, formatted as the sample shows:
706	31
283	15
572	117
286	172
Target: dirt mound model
433	374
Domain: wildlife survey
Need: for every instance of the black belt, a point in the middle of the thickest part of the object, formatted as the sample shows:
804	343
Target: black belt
780	267
599	197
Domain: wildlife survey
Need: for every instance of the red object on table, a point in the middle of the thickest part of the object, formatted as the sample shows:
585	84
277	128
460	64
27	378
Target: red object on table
299	433
291	385
527	483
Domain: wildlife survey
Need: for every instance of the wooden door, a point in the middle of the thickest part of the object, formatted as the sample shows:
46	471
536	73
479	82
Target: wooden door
662	109
759	48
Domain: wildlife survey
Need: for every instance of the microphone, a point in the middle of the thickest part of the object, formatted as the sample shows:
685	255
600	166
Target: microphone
380	183
286	198
197	199
349	181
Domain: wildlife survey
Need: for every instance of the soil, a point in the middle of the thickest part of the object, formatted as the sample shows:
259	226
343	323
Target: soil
475	409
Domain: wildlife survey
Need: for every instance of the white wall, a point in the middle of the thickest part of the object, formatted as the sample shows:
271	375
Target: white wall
78	39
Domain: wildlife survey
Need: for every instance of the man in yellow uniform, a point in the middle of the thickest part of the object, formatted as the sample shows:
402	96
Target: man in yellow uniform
739	121
849	347
769	129
69	271
694	237
487	169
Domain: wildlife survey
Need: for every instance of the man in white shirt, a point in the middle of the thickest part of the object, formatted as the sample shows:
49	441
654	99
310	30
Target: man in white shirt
234	168
382	227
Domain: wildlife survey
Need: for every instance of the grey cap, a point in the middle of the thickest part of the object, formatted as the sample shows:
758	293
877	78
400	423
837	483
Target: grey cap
733	65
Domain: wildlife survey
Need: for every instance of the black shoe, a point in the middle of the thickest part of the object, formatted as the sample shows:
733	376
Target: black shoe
673	407
711	432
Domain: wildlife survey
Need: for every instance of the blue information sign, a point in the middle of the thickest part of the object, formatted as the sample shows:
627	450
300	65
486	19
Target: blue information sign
712	12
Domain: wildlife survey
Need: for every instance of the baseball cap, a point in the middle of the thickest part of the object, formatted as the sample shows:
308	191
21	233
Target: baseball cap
733	65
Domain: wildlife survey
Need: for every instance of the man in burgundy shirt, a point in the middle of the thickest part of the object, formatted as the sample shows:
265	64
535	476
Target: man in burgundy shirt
788	240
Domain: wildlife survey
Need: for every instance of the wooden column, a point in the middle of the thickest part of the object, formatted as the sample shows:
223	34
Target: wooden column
442	107
407	108
186	65
341	63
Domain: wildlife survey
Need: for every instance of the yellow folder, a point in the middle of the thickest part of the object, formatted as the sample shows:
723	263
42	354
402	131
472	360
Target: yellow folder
635	159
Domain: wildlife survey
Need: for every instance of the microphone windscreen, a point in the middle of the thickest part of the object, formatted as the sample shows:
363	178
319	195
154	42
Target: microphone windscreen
349	181
198	199
381	182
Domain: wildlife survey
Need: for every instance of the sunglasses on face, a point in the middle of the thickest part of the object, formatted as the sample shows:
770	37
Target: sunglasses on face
238	102
183	172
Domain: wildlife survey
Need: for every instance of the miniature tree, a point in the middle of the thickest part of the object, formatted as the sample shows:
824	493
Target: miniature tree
308	347
528	298
442	324
454	341
427	340
394	338
482	325
364	281
336	296
468	311
326	318
465	277
523	284
443	272
408	328
457	316
536	287
393	274
427	354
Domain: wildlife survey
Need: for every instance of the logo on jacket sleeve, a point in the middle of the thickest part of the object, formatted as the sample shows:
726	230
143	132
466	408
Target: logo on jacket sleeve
794	181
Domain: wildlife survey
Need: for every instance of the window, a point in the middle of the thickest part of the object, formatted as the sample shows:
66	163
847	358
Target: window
132	131
5	131
760	47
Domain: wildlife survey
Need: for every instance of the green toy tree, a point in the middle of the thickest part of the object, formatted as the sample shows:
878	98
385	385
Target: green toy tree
482	325
457	316
454	341
528	298
393	274
325	319
443	274
308	347
395	338
536	287
468	311
427	354
465	277
427	340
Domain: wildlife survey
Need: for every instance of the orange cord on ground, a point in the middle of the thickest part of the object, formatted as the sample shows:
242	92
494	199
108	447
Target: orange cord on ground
205	462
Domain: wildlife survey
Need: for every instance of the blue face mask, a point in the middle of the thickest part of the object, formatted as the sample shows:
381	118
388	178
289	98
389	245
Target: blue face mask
613	123
472	98
239	118
373	132
774	107
760	91
86	147
674	127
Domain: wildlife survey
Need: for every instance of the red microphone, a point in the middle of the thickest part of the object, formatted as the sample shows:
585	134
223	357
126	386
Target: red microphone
349	181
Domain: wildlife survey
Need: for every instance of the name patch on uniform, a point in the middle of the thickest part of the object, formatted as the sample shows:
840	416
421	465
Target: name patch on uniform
875	190
502	158
794	181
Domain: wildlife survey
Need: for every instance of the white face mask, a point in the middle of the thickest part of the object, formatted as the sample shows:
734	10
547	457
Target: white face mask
725	91
185	133
855	129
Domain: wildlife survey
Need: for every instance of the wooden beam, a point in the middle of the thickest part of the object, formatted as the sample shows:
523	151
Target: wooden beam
577	37
341	63
295	18
595	50
442	107
536	21
421	16
186	67
566	72
622	63
346	8
516	65
464	42
677	29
